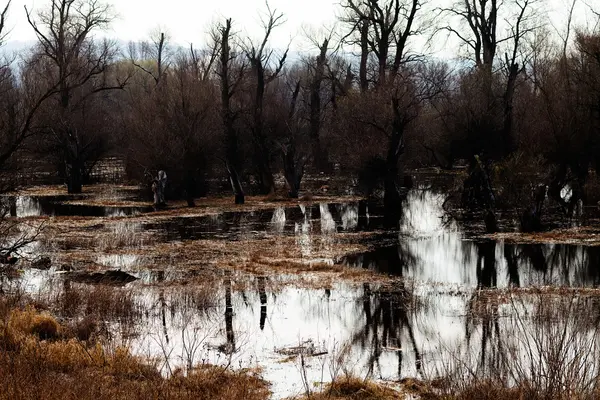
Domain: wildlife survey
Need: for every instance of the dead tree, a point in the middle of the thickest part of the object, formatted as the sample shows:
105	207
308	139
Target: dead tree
384	29
22	102
157	51
260	58
78	68
20	105
293	162
320	158
229	84
481	18
519	30
482	38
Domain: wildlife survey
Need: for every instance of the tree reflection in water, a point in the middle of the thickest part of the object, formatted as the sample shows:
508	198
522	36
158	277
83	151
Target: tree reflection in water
388	312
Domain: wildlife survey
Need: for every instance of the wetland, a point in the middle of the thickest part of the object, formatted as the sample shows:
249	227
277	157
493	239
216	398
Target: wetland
306	291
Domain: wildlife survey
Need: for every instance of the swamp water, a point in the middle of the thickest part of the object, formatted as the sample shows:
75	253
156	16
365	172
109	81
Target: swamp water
440	312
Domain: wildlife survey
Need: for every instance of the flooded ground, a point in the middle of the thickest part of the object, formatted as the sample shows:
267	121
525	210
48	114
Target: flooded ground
306	291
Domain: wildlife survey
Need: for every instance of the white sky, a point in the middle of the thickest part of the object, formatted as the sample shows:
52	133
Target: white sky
187	21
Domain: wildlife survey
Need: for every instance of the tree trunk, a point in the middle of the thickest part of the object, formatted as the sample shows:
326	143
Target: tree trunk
261	151
236	185
190	187
231	158
293	168
159	187
507	138
364	55
74	178
392	201
320	158
293	171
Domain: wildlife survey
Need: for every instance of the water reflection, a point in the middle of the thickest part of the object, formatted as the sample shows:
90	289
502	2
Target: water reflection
315	220
262	294
432	250
379	331
386	332
388	321
382	332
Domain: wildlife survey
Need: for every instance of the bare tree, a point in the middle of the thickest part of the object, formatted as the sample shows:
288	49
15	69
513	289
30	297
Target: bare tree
519	29
293	160
384	29
156	52
480	36
260	58
77	66
19	107
318	67
170	125
229	82
483	39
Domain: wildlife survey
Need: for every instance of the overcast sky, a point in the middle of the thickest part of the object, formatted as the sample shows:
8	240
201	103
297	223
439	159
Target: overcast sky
187	21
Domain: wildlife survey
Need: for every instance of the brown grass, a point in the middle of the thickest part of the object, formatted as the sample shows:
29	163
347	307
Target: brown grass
65	368
351	388
75	241
585	235
88	190
546	347
492	390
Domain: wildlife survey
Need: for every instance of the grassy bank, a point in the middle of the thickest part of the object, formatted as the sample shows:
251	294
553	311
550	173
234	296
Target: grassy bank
42	359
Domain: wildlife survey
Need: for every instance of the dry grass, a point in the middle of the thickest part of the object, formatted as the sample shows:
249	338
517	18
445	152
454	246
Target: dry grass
40	361
75	241
545	347
351	388
492	390
104	190
586	235
486	303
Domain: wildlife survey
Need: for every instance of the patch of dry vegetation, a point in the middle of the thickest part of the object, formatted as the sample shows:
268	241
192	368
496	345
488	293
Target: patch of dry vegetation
484	303
215	205
39	359
108	190
547	347
351	388
585	235
74	242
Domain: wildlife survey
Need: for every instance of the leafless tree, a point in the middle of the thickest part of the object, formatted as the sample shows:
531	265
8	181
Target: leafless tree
384	29
293	160
229	81
264	69
170	124
156	52
319	68
19	107
78	67
482	36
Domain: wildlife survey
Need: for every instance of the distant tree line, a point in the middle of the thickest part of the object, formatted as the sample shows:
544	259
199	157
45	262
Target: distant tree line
363	101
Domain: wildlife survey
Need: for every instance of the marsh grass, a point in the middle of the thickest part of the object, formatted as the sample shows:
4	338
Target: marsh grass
40	359
546	346
352	388
583	235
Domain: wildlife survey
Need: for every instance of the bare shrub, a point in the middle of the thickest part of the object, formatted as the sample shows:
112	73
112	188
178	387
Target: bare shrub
547	348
